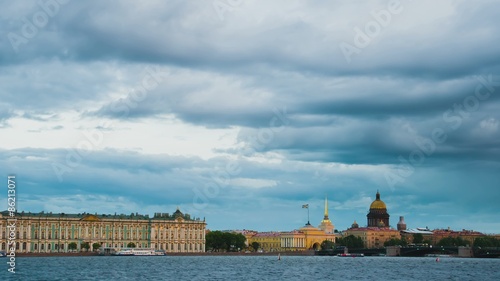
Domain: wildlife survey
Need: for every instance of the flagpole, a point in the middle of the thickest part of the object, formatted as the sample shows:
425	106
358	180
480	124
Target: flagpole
308	215
307	207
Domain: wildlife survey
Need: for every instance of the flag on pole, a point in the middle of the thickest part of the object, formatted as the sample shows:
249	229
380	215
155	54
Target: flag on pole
306	206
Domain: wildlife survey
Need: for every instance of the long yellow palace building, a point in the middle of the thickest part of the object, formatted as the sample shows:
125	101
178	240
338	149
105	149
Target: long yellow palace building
47	232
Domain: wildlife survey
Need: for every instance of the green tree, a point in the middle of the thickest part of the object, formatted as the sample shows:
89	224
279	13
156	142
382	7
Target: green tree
218	240
418	238
239	241
72	246
395	242
486	241
131	245
351	242
255	246
96	246
452	242
403	241
214	241
233	241
427	241
85	245
327	245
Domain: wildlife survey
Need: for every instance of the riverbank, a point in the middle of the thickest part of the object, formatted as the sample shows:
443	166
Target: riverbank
79	254
288	253
86	254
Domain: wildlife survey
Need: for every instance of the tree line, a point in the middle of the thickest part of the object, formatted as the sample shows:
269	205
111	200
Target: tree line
351	242
218	241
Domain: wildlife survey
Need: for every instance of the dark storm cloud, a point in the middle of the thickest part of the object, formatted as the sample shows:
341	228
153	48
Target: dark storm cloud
171	34
190	35
358	117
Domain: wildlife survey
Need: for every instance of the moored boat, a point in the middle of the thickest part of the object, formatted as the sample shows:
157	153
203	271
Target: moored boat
350	255
139	252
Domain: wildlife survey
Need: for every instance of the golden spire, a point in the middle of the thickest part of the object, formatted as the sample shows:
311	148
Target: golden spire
326	208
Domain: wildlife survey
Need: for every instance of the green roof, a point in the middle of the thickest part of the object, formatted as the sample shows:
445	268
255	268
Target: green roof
132	216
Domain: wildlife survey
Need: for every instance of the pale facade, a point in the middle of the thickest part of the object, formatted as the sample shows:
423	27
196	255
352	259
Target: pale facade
48	232
293	241
374	237
268	241
306	238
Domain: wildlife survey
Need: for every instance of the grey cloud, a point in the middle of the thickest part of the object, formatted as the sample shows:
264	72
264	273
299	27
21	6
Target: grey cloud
349	122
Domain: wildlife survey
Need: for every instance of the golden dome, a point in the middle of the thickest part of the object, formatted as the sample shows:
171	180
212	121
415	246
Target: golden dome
378	204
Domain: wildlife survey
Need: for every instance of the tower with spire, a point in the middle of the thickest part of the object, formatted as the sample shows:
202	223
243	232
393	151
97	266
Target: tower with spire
326	225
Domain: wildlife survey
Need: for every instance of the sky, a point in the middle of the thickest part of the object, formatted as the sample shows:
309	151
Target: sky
240	112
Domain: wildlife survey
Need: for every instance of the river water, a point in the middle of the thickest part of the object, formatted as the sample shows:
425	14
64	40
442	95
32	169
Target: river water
250	268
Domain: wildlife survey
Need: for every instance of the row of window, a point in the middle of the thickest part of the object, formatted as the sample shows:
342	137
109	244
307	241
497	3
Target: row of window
107	236
190	247
124	227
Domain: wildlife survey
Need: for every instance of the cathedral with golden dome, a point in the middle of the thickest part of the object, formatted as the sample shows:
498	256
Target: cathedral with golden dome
378	229
378	216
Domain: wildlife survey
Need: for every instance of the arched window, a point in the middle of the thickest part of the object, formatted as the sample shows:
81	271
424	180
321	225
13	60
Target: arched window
24	246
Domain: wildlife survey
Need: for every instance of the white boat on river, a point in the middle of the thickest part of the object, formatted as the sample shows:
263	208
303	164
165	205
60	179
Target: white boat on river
139	252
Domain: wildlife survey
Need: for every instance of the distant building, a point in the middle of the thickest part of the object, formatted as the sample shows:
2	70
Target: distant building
373	237
306	238
268	241
378	231
47	232
378	216
436	235
401	223
408	234
467	235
